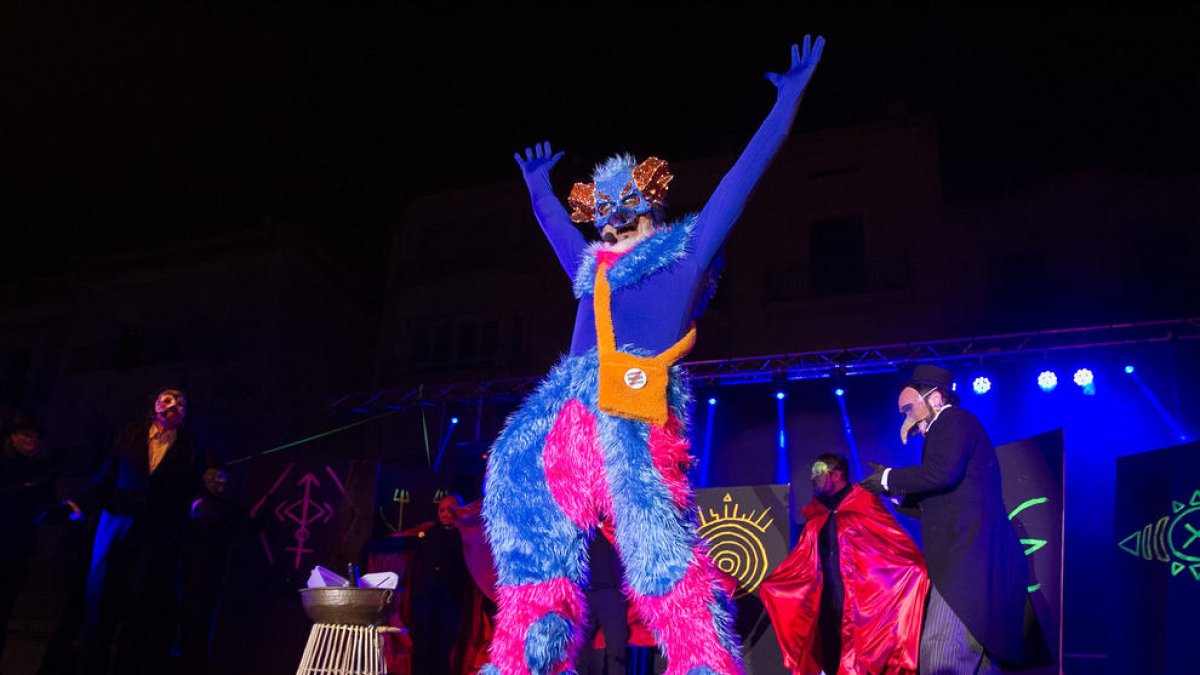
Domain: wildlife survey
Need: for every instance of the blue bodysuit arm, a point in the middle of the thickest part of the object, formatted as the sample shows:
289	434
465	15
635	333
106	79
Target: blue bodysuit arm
568	242
727	201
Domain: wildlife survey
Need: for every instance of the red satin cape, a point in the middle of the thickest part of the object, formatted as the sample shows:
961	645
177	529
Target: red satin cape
885	582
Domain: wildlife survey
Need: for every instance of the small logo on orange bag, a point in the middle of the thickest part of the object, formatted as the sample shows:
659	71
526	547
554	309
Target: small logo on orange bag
635	378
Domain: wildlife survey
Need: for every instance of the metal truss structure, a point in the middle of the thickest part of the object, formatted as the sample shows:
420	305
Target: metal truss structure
814	364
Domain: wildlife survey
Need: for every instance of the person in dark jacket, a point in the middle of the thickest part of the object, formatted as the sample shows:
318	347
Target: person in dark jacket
26	487
216	522
439	582
143	493
976	616
607	608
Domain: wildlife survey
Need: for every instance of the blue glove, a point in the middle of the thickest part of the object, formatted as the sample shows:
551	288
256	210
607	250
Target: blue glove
566	240
792	82
538	161
728	200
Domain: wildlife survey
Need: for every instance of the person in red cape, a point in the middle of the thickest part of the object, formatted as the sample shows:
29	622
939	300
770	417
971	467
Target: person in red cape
850	598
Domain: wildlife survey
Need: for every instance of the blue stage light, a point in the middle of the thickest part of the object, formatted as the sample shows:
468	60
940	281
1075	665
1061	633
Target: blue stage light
712	401
981	385
1084	377
839	392
453	420
1047	380
1128	370
780	395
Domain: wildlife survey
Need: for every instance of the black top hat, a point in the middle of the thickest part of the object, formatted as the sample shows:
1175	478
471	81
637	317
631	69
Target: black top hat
931	376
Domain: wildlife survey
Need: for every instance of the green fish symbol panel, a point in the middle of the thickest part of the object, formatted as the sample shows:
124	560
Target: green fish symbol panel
1174	538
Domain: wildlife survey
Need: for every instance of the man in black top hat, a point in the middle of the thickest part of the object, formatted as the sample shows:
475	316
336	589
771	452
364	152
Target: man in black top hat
977	606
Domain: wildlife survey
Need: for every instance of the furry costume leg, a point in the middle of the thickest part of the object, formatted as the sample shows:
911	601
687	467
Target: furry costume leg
555	469
669	576
539	502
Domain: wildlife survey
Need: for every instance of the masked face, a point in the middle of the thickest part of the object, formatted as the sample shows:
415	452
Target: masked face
916	411
622	204
826	480
619	203
170	408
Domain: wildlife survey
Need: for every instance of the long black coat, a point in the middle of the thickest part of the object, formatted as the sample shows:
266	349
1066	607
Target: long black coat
159	502
135	558
974	557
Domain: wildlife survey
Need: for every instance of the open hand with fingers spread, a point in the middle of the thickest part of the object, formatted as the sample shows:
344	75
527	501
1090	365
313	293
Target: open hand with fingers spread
804	62
538	159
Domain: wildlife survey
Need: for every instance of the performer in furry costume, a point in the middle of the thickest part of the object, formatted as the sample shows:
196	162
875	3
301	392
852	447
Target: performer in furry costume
604	435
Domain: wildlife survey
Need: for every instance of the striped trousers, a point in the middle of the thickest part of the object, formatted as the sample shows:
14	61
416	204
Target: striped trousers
947	647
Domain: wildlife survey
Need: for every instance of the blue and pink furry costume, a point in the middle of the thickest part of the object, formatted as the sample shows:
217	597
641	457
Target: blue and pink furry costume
561	464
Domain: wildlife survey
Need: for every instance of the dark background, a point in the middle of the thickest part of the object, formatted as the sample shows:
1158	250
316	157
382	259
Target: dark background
130	124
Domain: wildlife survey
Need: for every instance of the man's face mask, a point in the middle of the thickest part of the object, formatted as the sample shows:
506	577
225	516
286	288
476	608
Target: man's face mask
916	411
821	476
170	408
619	202
616	202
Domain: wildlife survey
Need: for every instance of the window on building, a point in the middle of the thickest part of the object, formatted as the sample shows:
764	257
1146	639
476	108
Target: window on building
784	282
466	342
837	257
16	369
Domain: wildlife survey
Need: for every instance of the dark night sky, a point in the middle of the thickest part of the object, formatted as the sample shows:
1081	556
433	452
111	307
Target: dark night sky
120	126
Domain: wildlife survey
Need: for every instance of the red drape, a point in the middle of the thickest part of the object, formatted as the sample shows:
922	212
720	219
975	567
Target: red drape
885	582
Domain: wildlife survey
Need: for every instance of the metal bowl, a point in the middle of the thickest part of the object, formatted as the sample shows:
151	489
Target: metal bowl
347	606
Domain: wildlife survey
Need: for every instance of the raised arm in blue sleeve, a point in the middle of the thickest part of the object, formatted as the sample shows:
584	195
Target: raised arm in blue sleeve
728	200
568	242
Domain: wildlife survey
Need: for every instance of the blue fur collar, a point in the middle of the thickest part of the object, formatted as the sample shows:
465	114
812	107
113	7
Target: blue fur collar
659	251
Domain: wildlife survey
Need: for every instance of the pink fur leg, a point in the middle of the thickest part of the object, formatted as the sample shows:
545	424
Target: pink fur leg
684	624
575	466
669	452
519	608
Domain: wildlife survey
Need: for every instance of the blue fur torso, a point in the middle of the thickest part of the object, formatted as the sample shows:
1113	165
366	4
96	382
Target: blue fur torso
658	289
